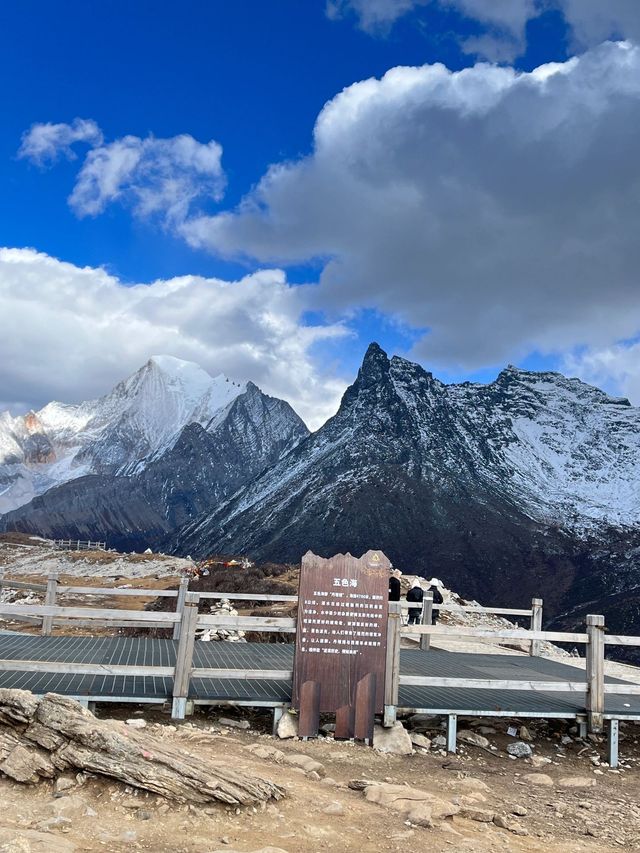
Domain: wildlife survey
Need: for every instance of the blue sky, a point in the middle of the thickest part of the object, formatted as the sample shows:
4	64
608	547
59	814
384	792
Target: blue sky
253	77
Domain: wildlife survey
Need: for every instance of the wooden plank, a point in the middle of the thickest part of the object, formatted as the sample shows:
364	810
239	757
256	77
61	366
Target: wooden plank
108	623
70	668
103	590
182	594
620	640
35	587
536	625
249	623
595	672
502	634
29	620
244	674
309	710
427	619
494	684
50	600
85	613
392	663
247	596
184	655
622	689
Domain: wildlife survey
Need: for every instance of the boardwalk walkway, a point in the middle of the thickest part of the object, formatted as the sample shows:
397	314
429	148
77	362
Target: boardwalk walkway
140	652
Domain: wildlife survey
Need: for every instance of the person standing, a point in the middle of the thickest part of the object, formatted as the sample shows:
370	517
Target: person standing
434	589
394	585
415	596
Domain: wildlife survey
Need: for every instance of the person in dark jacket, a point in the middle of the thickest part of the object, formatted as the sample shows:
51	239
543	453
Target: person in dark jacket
415	596
394	585
434	589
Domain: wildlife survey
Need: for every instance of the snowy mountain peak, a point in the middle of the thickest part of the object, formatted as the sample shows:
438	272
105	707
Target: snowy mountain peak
135	422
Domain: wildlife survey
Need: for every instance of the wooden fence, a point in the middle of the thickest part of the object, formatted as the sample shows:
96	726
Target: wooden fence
79	545
185	620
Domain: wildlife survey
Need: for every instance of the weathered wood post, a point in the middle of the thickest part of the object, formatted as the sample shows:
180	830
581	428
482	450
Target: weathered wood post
536	625
392	667
427	619
182	591
184	656
595	673
50	597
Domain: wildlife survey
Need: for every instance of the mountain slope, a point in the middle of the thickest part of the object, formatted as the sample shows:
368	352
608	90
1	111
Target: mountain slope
501	488
140	419
148	500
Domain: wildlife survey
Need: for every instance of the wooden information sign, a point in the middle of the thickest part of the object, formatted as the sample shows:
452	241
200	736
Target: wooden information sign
341	641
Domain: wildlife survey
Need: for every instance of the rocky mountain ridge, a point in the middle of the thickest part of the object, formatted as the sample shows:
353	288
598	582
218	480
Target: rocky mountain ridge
163	447
509	490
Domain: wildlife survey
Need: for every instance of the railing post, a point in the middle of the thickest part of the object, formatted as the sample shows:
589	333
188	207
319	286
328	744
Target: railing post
595	673
182	591
427	618
392	664
184	655
536	625
50	599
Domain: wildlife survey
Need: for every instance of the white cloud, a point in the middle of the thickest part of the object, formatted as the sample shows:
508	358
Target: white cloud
155	177
44	142
68	333
615	368
498	209
589	21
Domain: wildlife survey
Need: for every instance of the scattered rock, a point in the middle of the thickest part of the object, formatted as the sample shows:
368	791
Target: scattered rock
505	822
468	784
394	740
487	730
519	810
287	726
418	807
480	815
472	738
420	741
538	779
439	742
305	762
32	841
64	783
334	808
525	734
519	749
136	723
540	760
233	724
577	782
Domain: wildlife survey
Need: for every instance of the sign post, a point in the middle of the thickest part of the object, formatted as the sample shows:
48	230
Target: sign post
341	642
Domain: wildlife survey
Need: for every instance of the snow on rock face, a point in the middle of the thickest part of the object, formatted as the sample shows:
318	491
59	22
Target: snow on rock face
141	418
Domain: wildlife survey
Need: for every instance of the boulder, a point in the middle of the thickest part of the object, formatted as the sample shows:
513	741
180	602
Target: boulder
472	738
394	740
416	806
519	749
287	726
420	741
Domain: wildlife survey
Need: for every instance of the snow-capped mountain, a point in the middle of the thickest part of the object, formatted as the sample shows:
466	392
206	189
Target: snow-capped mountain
507	483
120	433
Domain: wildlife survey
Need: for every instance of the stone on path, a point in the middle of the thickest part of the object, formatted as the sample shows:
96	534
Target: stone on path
394	740
538	779
420	741
287	726
472	738
519	749
577	782
416	806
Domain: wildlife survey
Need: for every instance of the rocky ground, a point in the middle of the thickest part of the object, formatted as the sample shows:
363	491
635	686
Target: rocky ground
346	797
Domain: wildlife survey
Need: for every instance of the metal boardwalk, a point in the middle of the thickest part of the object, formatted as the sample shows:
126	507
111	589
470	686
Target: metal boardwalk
138	651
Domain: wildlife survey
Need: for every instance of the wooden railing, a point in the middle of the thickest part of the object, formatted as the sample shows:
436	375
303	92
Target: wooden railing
185	621
79	545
